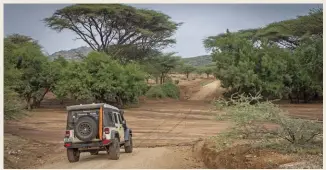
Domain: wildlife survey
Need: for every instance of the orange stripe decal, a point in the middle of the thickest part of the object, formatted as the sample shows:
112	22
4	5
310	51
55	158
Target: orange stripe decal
100	125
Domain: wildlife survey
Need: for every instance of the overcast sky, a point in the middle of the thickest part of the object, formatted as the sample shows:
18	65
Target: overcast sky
200	21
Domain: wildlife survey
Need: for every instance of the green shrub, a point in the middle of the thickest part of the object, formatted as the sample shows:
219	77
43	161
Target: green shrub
13	105
171	90
249	115
164	90
168	80
155	92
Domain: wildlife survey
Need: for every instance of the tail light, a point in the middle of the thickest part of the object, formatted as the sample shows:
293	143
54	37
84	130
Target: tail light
106	141
67	133
67	144
107	130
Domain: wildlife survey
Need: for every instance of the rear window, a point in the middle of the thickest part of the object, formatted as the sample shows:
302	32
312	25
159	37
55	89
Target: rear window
108	118
72	115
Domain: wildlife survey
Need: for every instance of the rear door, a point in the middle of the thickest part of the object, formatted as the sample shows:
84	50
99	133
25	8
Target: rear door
74	116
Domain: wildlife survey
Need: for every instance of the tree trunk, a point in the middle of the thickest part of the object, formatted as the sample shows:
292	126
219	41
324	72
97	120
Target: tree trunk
298	97
187	74
162	78
305	96
316	96
120	103
290	97
207	75
156	80
28	101
29	106
37	102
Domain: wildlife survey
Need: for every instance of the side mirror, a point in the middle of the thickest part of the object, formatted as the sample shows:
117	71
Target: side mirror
124	122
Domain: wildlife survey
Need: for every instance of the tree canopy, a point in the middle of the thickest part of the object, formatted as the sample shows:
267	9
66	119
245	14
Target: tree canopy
187	69
160	65
100	78
116	29
283	59
25	67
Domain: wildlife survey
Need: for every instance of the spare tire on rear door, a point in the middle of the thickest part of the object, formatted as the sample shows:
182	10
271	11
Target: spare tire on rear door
86	128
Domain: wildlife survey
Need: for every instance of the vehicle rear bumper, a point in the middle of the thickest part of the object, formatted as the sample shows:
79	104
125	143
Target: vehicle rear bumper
87	145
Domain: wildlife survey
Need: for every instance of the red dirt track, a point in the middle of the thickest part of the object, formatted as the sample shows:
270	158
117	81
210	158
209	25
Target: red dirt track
163	133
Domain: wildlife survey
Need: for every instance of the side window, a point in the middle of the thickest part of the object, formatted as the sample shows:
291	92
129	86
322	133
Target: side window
116	118
108	121
120	119
113	117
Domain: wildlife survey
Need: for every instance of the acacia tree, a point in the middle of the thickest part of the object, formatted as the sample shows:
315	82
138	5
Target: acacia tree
100	78
26	56
187	69
12	79
289	33
165	63
279	59
151	67
116	29
74	82
207	70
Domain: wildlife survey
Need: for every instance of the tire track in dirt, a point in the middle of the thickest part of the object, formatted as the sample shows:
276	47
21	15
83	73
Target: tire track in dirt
141	158
48	125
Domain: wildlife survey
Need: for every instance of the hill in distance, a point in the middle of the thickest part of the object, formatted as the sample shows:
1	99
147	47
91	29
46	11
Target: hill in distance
73	54
198	61
77	53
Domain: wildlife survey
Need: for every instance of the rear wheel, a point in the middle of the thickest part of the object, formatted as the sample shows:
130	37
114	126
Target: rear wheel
129	147
73	154
114	149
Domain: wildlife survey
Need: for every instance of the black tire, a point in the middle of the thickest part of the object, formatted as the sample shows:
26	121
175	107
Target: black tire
129	148
73	155
94	152
114	149
86	128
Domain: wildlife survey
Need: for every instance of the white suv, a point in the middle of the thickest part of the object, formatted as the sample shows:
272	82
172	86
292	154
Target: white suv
96	127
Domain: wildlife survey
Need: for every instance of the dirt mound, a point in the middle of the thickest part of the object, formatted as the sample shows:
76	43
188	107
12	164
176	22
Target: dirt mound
241	156
188	88
208	92
25	153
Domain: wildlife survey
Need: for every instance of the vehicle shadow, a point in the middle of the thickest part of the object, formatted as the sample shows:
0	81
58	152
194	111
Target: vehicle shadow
101	156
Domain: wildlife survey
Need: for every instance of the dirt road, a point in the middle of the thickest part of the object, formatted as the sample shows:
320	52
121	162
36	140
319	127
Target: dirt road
157	131
141	158
162	136
163	131
208	92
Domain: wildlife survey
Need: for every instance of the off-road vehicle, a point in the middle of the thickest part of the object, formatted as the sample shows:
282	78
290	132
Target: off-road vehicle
96	127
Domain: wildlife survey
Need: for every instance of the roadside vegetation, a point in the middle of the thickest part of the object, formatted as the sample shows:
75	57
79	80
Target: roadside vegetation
283	60
127	54
268	123
262	127
165	90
